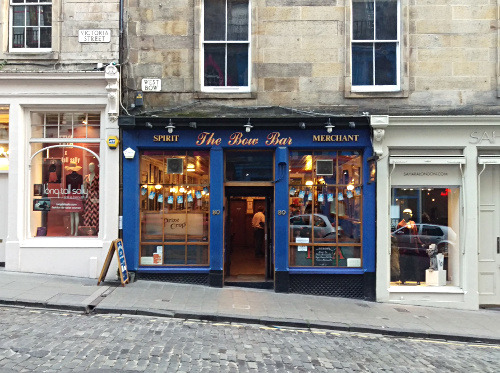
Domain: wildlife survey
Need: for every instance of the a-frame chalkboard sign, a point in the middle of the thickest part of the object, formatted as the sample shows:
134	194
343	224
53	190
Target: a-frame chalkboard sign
116	245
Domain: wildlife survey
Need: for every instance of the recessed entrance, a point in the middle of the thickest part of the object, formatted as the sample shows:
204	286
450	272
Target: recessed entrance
246	263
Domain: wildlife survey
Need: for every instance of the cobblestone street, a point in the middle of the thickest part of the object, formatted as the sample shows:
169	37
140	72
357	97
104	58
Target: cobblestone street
34	340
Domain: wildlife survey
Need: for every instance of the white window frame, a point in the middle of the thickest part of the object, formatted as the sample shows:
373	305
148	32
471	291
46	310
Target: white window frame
225	89
11	26
62	142
374	87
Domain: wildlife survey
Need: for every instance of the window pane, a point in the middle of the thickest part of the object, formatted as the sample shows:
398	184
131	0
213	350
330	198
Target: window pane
31	37
4	123
215	19
175	254
349	167
349	214
4	157
421	217
326	167
300	228
249	166
237	65
46	15
301	167
45	37
301	256
385	64
18	37
65	191
32	15
387	19
197	254
215	66
66	131
19	15
362	64
151	254
237	23
151	227
349	256
362	20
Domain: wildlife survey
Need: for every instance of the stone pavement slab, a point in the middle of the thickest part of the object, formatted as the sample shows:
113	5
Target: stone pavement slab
243	305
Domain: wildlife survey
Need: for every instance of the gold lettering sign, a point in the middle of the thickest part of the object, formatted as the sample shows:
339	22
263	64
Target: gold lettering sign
166	138
335	138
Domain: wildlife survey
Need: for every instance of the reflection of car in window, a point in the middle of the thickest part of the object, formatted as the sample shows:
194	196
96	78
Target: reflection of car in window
444	237
300	226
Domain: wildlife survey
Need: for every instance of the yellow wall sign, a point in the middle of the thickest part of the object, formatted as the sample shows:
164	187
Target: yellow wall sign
113	142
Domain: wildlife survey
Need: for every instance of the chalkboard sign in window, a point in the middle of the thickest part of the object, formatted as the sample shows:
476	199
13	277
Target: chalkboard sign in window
324	256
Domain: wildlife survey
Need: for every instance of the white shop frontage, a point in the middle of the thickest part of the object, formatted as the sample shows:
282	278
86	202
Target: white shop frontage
61	182
438	210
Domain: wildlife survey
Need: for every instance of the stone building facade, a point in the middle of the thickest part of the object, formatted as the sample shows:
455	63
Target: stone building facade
301	53
59	99
423	74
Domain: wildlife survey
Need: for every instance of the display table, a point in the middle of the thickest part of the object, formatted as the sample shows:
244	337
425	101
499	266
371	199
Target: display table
435	277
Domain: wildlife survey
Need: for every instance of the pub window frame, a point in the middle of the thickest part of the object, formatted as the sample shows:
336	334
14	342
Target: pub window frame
150	180
338	185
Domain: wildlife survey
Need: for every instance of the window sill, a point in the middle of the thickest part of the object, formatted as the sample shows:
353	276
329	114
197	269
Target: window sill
35	55
377	94
61	243
426	289
326	270
225	95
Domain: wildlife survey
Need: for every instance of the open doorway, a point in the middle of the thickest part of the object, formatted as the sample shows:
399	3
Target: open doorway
246	264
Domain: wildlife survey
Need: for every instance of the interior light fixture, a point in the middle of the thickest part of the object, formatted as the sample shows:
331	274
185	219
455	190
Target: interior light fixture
190	167
302	125
248	126
170	126
309	182
329	126
350	187
157	186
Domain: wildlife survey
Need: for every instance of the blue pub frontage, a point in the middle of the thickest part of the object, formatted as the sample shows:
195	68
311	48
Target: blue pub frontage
191	188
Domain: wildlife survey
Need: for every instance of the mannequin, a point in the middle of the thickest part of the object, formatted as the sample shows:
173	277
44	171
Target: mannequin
409	260
74	182
91	186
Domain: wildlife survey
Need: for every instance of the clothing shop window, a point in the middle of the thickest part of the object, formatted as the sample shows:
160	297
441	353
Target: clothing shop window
4	138
375	45
64	174
425	236
325	199
226	46
31	24
174	207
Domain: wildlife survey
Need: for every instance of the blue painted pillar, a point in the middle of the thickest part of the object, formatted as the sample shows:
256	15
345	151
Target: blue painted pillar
281	217
216	276
130	202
